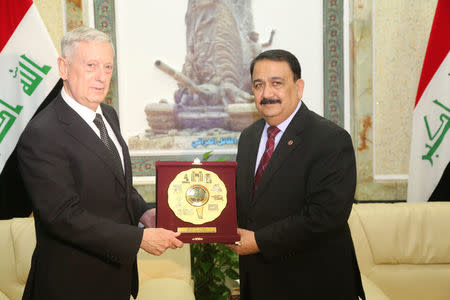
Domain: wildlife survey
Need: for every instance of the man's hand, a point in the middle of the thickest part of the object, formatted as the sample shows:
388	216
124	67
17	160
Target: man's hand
247	243
156	240
149	218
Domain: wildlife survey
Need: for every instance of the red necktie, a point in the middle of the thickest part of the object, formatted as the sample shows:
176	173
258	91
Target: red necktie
272	131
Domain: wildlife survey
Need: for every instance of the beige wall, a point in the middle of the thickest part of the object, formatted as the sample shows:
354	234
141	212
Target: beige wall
52	14
401	30
389	39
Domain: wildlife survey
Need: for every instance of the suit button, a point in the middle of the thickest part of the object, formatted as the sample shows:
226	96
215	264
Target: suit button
250	220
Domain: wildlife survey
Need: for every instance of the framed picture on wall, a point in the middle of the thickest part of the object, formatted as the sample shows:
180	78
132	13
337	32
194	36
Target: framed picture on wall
184	85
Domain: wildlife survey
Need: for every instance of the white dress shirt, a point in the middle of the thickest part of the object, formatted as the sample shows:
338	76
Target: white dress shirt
282	126
88	116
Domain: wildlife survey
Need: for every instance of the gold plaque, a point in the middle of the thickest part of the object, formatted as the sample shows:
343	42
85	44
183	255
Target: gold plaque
198	200
197	196
197	229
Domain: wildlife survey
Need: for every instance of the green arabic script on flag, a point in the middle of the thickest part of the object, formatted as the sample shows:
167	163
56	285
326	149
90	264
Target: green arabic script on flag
28	70
30	81
7	117
440	132
30	77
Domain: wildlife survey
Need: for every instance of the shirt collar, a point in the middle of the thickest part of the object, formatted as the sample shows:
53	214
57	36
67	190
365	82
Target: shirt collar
283	125
85	113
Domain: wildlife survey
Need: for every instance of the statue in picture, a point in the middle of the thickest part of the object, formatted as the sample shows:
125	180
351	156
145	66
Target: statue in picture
221	42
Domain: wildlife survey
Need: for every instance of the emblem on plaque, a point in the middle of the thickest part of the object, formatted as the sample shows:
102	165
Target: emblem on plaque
197	196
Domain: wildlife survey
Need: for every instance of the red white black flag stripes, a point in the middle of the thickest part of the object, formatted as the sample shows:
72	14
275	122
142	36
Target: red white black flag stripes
28	69
430	145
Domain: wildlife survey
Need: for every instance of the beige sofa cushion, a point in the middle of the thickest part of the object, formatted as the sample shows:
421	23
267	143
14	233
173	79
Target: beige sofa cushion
167	289
174	263
407	233
172	270
413	282
18	242
372	291
3	296
160	269
403	248
23	233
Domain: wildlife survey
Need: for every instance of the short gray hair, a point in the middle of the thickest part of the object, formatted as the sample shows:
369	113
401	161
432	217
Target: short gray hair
82	34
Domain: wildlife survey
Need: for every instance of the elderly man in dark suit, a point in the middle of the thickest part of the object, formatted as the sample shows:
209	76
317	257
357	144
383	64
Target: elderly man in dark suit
296	180
77	170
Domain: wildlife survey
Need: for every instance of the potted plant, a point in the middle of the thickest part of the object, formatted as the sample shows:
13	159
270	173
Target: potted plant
212	264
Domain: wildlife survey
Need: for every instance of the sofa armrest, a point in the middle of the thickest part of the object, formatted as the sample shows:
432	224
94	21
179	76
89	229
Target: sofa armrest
362	245
3	296
17	246
372	291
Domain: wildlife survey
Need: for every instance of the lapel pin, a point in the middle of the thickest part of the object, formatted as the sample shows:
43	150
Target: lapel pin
290	142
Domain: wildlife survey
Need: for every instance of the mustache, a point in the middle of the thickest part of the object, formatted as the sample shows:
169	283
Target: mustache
269	101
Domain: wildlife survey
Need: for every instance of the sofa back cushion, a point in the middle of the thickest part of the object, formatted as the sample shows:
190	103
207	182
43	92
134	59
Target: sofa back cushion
174	263
18	242
406	233
24	238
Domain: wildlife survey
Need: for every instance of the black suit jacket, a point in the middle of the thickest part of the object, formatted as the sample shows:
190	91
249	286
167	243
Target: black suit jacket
86	209
299	213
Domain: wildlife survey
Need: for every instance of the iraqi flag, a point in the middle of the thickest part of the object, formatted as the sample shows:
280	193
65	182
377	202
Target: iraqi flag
28	70
429	170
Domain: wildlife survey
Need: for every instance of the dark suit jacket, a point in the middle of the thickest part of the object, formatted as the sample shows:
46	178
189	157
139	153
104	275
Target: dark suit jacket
85	208
299	213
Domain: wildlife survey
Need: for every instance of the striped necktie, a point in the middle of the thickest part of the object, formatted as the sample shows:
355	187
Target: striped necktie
104	136
272	131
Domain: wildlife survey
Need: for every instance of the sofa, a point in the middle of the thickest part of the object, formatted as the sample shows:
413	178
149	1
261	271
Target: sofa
403	249
160	277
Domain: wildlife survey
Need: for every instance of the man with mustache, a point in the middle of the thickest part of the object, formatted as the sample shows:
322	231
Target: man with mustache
296	179
77	171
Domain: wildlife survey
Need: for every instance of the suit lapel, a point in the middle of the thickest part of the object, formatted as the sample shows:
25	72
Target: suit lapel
115	127
81	131
291	140
112	120
254	147
249	159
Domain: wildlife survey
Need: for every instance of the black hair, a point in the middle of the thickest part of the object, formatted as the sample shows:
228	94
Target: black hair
279	55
